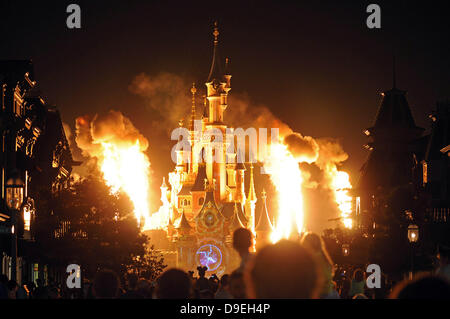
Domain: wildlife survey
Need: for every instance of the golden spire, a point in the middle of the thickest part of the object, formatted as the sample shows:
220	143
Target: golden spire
251	191
193	91
216	33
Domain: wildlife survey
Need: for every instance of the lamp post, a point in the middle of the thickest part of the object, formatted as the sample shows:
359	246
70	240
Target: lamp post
345	250
14	199
413	237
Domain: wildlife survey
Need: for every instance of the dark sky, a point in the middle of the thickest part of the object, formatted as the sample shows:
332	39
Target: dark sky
315	64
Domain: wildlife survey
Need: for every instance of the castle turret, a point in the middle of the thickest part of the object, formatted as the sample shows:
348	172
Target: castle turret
264	227
250	202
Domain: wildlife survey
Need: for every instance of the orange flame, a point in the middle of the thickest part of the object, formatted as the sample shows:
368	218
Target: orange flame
286	176
126	168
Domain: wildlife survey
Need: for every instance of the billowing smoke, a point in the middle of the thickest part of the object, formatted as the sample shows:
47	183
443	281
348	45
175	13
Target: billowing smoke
303	148
168	100
112	127
166	96
116	148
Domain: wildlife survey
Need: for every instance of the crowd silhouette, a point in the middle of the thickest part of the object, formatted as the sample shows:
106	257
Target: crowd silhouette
286	269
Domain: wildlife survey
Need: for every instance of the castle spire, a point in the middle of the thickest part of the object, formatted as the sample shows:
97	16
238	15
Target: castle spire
264	223
193	91
215	71
251	191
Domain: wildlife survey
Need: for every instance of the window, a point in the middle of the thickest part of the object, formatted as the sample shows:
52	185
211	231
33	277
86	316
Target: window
201	201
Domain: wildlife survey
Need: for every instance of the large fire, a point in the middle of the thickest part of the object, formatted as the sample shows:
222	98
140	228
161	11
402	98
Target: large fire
341	185
119	150
286	176
126	168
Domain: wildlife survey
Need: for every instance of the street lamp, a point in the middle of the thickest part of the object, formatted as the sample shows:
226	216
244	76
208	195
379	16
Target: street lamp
345	249
14	199
413	233
413	237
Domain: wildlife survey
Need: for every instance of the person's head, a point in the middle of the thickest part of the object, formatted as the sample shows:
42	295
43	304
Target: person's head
358	275
444	255
173	284
242	240
224	281
316	244
237	285
106	285
423	287
360	296
144	288
284	270
12	285
3	279
202	271
132	280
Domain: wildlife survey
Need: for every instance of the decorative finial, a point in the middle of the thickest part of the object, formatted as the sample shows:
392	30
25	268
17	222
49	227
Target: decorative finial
216	33
193	91
263	194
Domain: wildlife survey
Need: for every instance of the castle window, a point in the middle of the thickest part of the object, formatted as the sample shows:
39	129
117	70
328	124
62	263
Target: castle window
201	201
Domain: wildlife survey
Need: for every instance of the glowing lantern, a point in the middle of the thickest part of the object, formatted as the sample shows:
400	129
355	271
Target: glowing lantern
413	233
345	249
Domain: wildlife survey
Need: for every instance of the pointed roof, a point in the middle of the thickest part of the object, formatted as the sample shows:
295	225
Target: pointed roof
251	191
394	111
236	221
191	123
183	223
199	184
215	73
264	223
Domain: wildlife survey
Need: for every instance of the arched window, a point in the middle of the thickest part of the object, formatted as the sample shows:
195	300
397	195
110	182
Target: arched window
201	200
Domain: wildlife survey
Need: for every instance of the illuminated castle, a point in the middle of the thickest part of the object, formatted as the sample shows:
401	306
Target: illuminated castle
207	199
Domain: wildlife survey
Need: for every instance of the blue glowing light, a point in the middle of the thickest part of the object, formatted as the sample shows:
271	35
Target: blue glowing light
209	256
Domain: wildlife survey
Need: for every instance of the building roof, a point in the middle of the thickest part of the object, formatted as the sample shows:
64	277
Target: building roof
236	221
264	223
185	190
394	112
199	184
183	223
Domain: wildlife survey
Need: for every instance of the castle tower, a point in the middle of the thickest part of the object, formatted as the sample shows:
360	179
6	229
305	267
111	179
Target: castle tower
218	85
264	227
250	202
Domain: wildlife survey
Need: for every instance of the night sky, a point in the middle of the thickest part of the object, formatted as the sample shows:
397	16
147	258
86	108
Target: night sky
315	64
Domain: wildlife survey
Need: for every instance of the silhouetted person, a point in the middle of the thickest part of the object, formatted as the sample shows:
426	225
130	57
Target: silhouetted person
202	285
237	285
316	245
173	284
106	285
444	262
41	291
284	270
223	292
131	293
3	286
144	288
423	287
12	289
358	283
242	242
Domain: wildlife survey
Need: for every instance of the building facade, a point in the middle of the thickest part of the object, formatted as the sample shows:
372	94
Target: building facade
34	146
207	199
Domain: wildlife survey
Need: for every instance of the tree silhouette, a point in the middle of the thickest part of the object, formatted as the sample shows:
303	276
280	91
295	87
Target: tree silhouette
89	226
